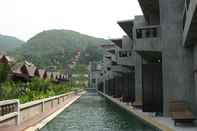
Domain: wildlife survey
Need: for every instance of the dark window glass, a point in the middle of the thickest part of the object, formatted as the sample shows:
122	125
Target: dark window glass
139	33
147	33
93	80
154	32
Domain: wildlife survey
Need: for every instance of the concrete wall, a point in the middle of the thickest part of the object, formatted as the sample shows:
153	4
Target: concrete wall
177	61
195	78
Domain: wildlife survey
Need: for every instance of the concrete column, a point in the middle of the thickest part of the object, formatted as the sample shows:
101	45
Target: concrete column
195	79
116	85
176	60
104	86
123	87
43	106
143	33
138	77
151	32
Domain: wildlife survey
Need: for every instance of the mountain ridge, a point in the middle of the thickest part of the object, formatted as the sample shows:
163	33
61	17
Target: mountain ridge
9	43
57	47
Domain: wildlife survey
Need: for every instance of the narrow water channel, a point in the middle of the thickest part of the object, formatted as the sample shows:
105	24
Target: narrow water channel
95	113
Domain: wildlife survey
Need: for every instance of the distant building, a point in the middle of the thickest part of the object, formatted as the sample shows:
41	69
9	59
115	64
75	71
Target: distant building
6	60
23	71
94	70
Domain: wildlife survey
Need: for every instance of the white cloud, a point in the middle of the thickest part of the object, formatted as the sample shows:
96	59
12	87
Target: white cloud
25	18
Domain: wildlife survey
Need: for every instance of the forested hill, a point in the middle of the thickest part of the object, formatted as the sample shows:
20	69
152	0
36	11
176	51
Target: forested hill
57	47
8	43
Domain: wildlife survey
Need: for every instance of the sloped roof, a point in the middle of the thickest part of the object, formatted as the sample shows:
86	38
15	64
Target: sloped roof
17	68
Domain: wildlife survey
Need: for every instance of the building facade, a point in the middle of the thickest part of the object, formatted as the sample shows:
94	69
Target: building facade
157	61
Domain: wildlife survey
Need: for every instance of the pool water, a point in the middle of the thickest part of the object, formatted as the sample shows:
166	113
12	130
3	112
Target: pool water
95	113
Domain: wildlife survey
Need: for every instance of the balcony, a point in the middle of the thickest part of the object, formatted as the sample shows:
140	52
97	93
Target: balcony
190	23
126	57
147	39
120	69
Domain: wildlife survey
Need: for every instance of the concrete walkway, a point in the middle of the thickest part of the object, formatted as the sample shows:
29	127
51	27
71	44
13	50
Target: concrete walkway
163	123
41	120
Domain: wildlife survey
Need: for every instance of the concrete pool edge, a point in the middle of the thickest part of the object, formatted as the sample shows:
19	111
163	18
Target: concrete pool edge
147	119
45	121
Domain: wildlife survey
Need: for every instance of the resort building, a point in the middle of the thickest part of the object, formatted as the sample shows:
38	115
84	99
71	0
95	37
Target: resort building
4	59
155	64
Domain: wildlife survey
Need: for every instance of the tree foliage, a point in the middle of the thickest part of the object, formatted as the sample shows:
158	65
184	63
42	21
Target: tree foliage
35	90
4	70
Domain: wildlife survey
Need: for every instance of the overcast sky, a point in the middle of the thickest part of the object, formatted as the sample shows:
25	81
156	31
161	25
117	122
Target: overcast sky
25	18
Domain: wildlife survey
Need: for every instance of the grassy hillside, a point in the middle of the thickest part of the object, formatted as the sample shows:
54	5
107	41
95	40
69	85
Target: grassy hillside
57	47
8	43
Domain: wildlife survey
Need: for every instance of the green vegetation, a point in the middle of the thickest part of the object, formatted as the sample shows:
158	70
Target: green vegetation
91	53
57	47
80	69
8	43
4	70
35	90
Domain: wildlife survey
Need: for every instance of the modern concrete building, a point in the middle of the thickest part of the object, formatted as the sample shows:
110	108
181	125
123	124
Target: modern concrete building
160	55
94	72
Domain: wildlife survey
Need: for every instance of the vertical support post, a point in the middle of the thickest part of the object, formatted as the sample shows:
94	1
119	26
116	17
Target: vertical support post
104	86
43	106
58	100
18	112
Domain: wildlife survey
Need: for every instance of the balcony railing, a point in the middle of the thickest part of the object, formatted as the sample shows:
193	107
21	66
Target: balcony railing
147	32
125	53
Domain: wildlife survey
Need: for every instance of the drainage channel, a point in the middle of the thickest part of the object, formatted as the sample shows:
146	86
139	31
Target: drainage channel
95	113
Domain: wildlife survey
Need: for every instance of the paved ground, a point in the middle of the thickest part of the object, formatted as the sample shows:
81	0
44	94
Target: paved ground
39	118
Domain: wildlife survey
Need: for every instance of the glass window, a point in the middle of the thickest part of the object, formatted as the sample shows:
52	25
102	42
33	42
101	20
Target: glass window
139	33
